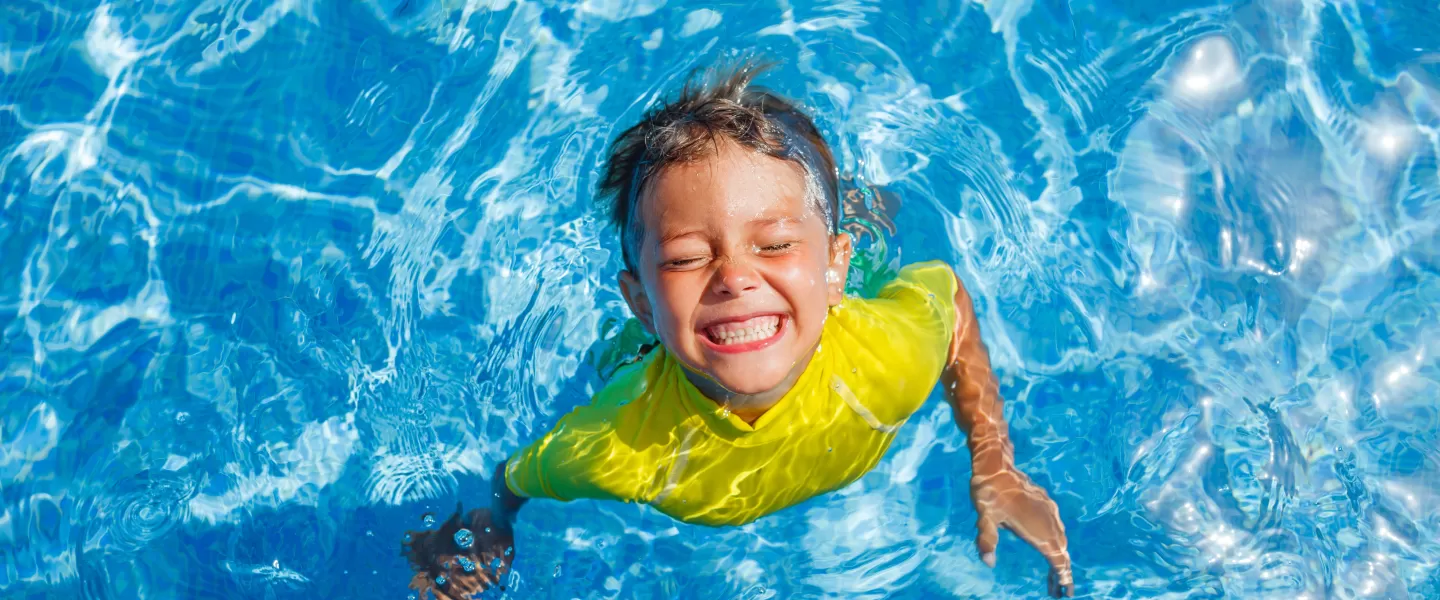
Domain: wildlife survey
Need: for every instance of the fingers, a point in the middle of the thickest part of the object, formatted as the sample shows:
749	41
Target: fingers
1034	518
987	539
1051	544
1060	564
1040	526
457	587
458	582
1061	583
434	553
420	582
470	585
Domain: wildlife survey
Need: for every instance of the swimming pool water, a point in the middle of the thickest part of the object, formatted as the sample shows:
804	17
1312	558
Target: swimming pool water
277	277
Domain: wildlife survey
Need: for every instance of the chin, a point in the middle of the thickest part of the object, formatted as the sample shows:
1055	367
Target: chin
749	381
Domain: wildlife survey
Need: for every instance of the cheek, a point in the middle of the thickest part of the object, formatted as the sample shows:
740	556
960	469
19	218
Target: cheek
804	279
675	296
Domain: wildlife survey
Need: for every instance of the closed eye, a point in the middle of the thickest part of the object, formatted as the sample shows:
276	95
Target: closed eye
684	262
778	247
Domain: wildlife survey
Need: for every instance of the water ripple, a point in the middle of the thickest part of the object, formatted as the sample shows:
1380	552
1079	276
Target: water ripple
145	508
277	276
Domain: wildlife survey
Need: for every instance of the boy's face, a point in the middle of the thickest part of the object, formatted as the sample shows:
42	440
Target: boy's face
737	268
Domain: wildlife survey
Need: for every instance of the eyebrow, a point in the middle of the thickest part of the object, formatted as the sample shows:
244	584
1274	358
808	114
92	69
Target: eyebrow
670	237
774	221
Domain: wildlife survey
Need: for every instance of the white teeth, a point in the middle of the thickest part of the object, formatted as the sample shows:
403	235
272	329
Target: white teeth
766	328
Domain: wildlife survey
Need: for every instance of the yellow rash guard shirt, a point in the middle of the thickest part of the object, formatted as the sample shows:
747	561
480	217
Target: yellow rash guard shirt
650	436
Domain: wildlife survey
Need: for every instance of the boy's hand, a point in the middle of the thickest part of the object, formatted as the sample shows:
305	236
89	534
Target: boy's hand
436	553
1003	496
1007	498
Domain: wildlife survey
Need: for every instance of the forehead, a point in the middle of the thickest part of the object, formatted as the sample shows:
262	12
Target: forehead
732	182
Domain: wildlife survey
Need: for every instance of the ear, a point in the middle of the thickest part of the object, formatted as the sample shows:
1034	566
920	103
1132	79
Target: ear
639	303
840	250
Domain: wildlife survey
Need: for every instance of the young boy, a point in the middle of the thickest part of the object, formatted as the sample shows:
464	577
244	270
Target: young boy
770	386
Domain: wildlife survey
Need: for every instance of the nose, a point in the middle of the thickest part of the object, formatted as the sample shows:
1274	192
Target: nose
733	278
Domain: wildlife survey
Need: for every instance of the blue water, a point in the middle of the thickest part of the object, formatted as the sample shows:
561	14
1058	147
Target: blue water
278	277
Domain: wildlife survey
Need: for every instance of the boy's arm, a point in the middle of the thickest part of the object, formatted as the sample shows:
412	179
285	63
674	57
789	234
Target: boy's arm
1003	496
971	388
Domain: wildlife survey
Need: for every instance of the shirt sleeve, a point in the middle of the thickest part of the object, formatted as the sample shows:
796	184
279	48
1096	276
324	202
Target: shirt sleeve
585	455
564	463
898	341
925	295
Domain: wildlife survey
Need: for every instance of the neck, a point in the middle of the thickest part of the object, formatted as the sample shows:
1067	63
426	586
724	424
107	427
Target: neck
749	407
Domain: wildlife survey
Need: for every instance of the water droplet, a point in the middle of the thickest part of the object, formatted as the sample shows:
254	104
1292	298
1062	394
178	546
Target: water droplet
440	579
428	519
829	449
464	539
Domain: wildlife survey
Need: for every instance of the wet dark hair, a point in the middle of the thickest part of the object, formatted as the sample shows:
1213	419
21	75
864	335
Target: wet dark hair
715	105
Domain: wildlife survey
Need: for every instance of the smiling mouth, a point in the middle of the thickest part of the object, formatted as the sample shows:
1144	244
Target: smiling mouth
738	335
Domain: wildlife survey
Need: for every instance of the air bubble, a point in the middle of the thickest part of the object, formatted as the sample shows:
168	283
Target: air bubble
466	564
440	579
428	519
408	539
464	539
